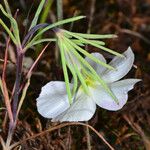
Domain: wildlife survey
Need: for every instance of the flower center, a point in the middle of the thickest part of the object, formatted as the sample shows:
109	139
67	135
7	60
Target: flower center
90	82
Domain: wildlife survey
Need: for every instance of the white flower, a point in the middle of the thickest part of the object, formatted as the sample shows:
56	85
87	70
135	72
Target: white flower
53	100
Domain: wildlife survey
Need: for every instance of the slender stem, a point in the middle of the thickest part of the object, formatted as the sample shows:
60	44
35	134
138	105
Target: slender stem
24	92
16	95
88	137
7	99
4	86
28	75
36	61
10	133
17	90
18	79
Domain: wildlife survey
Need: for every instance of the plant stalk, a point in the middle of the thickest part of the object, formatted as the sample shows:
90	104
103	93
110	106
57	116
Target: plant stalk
19	62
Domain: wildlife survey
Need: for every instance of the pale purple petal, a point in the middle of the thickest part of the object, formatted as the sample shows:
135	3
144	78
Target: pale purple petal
98	68
120	90
82	109
53	99
122	66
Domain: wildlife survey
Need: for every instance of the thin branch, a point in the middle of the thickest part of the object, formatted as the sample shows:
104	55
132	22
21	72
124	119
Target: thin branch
33	66
17	81
136	34
28	76
6	96
22	97
36	61
88	137
4	86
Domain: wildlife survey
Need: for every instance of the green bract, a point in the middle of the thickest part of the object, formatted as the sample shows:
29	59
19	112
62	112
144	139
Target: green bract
70	48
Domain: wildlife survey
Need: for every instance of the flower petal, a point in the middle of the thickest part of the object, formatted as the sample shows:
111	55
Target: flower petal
98	68
53	99
81	110
120	90
122	66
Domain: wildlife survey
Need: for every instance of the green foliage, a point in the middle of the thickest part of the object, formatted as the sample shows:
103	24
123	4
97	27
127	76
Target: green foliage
15	36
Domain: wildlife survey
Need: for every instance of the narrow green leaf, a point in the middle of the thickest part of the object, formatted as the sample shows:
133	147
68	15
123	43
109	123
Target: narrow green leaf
36	17
8	31
78	42
82	43
75	79
104	85
40	41
58	24
89	55
97	42
13	25
43	18
95	36
46	11
80	76
70	64
107	50
7	7
63	60
94	44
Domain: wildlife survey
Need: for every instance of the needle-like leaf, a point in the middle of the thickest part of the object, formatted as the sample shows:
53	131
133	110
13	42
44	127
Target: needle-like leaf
57	24
89	55
7	7
40	41
94	44
63	60
96	36
8	31
80	76
104	85
36	17
14	25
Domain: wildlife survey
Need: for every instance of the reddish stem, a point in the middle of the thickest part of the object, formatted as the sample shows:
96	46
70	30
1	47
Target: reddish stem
19	62
36	61
33	66
5	90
